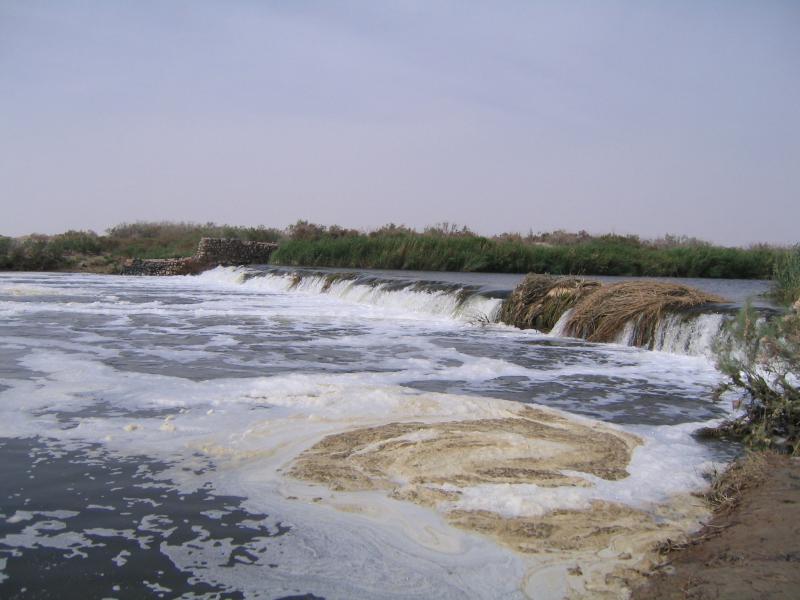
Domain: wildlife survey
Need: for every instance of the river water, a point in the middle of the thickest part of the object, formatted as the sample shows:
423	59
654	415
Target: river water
147	427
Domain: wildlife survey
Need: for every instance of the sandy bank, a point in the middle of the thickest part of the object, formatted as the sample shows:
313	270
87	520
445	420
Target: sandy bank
750	551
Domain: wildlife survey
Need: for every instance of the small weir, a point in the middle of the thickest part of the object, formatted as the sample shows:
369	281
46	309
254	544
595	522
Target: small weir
472	303
666	317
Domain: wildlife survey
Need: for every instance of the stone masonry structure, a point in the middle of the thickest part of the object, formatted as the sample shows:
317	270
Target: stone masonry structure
211	252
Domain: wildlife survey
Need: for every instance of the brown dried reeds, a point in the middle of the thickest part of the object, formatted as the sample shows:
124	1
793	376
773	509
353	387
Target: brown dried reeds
540	300
727	486
602	315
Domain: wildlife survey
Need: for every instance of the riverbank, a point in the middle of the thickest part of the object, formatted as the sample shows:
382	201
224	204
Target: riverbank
441	248
749	549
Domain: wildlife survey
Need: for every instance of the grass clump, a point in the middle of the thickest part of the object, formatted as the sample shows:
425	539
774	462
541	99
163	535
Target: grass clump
540	300
761	359
727	486
602	315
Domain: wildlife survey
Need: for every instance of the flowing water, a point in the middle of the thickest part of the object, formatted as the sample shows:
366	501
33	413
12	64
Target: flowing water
148	427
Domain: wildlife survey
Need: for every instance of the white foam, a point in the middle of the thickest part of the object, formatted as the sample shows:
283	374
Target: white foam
668	464
402	302
300	409
692	335
695	335
559	328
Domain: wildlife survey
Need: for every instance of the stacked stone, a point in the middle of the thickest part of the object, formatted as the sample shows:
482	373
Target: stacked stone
211	252
165	266
222	251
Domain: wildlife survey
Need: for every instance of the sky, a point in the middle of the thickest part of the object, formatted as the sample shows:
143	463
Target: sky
638	117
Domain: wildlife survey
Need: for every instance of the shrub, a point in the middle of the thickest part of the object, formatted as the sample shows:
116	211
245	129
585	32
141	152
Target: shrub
80	242
34	254
303	230
761	359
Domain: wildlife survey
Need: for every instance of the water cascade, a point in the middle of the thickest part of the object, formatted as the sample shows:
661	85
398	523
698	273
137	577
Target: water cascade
469	303
669	318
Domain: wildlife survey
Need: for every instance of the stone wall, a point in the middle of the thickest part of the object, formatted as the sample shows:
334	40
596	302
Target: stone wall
166	266
211	252
223	251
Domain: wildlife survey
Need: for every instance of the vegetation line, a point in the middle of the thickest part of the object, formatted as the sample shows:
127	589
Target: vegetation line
443	247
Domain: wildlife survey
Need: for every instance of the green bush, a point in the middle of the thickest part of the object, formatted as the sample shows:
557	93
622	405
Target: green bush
35	253
78	242
761	359
6	243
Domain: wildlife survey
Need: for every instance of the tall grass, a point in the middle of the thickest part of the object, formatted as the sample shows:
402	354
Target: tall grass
598	256
786	276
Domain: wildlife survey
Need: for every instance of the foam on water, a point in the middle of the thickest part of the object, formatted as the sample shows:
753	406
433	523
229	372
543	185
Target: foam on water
250	447
668	464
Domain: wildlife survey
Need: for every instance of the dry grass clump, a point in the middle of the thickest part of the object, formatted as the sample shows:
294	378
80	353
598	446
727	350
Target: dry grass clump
727	486
540	300
602	315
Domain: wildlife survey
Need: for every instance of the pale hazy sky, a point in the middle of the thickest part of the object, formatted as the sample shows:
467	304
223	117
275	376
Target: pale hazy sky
633	117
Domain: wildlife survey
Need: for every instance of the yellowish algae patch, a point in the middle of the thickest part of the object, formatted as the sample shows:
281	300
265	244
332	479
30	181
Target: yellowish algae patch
591	549
532	447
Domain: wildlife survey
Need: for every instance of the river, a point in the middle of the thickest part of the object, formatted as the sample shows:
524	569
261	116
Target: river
162	437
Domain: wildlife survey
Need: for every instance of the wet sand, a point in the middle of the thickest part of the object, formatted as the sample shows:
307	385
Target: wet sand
749	551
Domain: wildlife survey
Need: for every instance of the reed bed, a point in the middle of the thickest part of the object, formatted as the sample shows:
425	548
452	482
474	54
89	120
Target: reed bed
786	276
540	300
603	315
601	256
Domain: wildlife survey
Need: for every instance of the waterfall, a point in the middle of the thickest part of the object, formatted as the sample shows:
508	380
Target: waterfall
469	303
691	333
